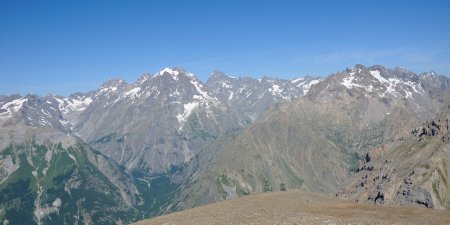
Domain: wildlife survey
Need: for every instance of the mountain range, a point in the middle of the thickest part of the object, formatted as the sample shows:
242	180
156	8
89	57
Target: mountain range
169	142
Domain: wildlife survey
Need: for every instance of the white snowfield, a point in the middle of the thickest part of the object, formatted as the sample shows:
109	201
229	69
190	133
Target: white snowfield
11	107
392	86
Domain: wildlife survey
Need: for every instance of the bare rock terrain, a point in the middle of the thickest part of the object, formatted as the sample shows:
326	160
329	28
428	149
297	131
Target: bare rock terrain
299	207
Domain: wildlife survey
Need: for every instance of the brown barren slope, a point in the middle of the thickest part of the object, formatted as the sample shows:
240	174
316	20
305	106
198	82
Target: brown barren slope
299	207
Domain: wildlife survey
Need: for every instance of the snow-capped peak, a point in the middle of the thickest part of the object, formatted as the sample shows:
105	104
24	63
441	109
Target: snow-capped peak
375	80
430	74
133	93
169	71
174	73
144	78
111	86
9	108
307	85
378	77
77	103
220	74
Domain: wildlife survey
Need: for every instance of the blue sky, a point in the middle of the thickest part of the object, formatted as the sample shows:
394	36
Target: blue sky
62	47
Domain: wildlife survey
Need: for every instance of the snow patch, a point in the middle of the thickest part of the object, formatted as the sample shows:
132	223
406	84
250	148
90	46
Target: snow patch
225	85
231	96
307	86
171	72
262	95
176	93
133	93
377	76
297	80
143	78
392	83
348	82
198	87
275	89
12	107
107	90
188	108
61	104
204	95
78	104
417	88
250	92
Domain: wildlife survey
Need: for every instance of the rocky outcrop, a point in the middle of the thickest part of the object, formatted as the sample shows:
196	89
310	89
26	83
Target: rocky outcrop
412	171
411	195
431	128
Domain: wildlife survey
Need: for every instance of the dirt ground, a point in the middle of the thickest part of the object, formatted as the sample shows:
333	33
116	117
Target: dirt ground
299	207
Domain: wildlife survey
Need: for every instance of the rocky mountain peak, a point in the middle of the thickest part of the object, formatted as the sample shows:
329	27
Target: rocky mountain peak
217	75
377	67
113	85
10	105
399	69
144	77
380	81
360	66
431	77
174	72
430	74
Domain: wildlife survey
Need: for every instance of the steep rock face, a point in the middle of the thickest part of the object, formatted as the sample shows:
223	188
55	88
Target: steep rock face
156	123
314	142
162	120
413	171
250	97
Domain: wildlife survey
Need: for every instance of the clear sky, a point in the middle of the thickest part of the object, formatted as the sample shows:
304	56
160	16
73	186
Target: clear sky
62	47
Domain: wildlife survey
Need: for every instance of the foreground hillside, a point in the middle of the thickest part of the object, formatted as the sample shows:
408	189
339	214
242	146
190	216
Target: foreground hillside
298	207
